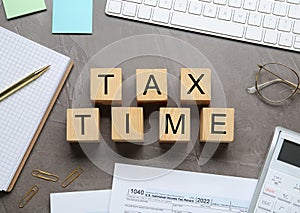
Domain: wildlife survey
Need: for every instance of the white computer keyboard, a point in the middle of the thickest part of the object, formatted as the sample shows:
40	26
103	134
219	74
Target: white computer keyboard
266	22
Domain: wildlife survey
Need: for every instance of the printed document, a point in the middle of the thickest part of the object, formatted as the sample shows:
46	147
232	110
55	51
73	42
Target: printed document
80	202
149	190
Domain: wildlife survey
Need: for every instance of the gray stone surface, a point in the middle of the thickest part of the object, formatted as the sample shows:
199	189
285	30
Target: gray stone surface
233	62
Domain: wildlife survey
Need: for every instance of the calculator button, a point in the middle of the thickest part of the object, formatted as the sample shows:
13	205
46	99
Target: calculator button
296	201
281	207
295	209
297	187
285	196
266	202
270	190
276	180
261	211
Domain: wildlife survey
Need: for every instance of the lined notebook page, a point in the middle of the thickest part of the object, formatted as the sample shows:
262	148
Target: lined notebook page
22	112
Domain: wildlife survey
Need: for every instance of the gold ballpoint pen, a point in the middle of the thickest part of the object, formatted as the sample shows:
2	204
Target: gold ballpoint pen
23	82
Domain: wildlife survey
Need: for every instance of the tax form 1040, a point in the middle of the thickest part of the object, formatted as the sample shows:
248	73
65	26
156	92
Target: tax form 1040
148	190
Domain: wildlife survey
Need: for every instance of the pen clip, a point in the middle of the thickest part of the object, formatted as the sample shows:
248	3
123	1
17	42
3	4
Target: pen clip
71	177
28	196
44	175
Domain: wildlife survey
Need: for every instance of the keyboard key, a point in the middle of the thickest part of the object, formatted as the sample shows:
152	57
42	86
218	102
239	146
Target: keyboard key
180	5
161	15
294	11
221	2
235	3
145	12
270	22
250	5
208	24
240	16
129	9
255	19
151	2
210	10
285	25
297	42
135	1
281	207
285	196
167	4
225	13
195	8
266	202
296	28
279	9
285	40
206	1
271	37
115	7
254	33
265	6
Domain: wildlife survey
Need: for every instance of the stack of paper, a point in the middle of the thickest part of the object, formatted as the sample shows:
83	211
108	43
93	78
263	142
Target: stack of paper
152	190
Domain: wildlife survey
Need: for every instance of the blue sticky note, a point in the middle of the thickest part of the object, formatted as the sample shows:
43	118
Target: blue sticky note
72	16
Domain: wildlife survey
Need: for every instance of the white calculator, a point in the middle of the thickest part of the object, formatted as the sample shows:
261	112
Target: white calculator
278	187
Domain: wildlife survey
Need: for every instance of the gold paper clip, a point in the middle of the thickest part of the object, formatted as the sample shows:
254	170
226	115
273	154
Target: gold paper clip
28	196
71	177
44	175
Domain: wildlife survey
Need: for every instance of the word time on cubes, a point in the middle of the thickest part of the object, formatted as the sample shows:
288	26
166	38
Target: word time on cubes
127	123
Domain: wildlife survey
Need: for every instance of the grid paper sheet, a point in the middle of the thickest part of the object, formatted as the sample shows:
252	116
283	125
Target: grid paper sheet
22	112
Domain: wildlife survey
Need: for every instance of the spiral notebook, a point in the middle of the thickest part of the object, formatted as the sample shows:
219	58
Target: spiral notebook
23	114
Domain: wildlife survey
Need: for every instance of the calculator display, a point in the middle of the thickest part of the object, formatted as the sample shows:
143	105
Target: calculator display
290	153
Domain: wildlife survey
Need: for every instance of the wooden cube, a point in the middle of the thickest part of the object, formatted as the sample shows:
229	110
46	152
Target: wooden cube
83	125
195	86
174	125
217	125
151	86
106	85
127	124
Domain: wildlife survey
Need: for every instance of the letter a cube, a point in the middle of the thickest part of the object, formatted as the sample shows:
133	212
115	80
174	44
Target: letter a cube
151	86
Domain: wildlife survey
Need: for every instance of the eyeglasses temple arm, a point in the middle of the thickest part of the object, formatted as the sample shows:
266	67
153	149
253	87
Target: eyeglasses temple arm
252	90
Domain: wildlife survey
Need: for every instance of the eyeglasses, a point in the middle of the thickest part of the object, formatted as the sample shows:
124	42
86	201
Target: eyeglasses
275	83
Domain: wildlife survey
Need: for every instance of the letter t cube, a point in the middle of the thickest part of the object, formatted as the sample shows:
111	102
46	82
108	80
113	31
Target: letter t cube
83	125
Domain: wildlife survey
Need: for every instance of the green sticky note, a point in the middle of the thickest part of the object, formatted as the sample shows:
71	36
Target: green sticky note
15	8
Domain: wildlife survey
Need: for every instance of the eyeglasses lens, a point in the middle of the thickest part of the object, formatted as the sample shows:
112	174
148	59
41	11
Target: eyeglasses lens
278	90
